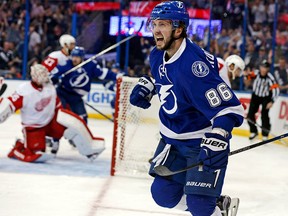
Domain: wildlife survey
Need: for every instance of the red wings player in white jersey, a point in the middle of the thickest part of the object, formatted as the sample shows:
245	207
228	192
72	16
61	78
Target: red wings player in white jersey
60	57
234	65
38	103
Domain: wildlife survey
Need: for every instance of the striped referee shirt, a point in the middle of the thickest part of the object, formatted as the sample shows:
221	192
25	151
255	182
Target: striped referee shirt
265	86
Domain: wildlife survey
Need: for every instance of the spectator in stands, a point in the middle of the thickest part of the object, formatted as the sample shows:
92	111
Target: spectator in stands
251	55
145	48
223	40
262	54
13	33
6	55
34	38
13	73
49	24
259	12
37	9
281	75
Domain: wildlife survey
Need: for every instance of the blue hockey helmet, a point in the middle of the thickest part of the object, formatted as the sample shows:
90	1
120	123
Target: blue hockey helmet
78	51
170	10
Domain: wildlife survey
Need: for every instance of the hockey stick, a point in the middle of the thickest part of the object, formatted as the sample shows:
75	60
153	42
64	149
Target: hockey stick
265	129
164	171
103	52
107	117
3	89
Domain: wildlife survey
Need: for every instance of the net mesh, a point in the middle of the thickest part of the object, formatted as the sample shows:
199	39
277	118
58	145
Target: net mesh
136	133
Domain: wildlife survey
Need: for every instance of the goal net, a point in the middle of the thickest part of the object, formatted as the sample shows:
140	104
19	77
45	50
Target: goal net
136	132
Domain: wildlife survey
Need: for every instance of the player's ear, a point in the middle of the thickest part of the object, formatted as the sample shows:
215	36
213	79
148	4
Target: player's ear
178	31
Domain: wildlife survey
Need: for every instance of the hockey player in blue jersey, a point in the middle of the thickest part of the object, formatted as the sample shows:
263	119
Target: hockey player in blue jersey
197	114
73	86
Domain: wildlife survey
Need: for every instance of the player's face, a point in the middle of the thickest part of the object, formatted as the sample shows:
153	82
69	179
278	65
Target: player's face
71	46
76	60
162	32
237	72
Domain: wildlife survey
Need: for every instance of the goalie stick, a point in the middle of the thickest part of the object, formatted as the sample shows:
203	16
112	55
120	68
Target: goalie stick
162	170
103	52
3	89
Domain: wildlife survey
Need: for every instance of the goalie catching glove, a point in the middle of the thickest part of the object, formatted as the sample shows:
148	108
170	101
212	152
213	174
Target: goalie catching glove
214	150
143	92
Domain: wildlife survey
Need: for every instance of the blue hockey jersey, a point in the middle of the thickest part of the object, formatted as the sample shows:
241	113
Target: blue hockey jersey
193	97
78	82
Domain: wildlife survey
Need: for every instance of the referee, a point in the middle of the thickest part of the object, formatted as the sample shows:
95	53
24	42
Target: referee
265	92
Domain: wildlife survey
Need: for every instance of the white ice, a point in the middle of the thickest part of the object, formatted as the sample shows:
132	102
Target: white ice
71	185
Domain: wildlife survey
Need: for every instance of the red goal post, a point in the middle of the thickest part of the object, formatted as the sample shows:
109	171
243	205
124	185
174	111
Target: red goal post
136	132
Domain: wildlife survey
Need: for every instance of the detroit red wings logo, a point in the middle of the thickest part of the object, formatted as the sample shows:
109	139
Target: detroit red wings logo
42	103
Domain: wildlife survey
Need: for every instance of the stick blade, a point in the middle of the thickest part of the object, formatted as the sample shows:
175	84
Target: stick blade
163	171
3	89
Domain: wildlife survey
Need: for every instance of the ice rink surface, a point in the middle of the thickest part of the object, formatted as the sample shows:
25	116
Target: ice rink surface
70	185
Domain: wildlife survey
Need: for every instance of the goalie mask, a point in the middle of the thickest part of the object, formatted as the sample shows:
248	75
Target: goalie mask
39	74
235	65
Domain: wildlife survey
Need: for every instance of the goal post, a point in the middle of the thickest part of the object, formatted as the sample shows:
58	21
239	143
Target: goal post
135	134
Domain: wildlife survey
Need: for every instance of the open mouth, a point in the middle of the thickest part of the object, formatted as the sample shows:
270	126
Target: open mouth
159	39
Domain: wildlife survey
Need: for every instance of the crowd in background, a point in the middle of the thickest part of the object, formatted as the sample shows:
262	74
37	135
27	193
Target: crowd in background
50	19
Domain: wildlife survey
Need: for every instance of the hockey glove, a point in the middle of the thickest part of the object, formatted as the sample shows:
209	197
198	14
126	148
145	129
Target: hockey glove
110	85
142	93
214	151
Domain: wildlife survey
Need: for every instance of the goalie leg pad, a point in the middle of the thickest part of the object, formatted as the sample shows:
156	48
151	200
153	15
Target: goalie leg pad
79	133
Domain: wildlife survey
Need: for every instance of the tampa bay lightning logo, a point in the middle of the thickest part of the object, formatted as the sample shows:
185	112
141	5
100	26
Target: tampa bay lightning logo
200	69
168	99
180	4
79	80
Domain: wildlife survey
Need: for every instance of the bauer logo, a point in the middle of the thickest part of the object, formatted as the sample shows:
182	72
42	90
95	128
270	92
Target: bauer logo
200	69
198	184
214	144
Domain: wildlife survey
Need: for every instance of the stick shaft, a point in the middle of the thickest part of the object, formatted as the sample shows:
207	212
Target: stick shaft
264	129
107	117
164	171
103	52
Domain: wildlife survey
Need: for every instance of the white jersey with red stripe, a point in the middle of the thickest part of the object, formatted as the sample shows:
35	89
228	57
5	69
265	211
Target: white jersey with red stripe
37	105
55	58
223	71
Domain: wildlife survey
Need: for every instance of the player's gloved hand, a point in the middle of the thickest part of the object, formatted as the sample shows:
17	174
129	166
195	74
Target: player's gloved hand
214	151
55	80
110	85
143	92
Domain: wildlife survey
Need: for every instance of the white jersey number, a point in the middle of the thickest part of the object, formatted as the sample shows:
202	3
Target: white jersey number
215	96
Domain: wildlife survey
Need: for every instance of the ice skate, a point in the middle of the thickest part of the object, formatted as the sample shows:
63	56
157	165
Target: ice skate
228	206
